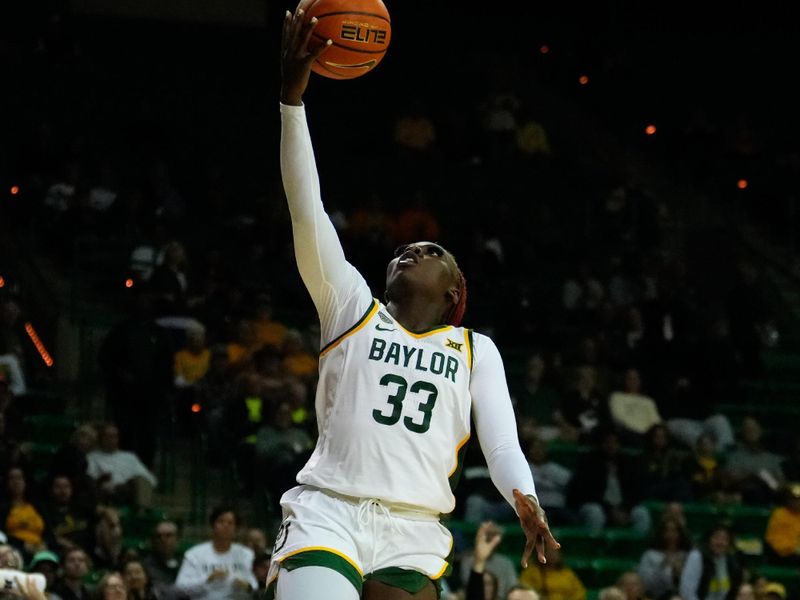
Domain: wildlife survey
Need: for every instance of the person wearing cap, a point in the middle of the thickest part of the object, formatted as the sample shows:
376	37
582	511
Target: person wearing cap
783	528
46	563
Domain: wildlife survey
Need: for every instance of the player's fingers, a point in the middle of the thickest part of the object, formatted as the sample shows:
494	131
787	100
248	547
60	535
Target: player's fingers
307	32
527	553
317	52
287	24
305	4
540	549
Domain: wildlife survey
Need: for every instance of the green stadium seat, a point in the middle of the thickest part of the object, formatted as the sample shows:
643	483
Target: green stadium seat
788	576
608	570
625	543
48	428
579	542
567	454
702	516
749	521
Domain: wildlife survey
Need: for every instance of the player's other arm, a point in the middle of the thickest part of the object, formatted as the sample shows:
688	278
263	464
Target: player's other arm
497	434
329	278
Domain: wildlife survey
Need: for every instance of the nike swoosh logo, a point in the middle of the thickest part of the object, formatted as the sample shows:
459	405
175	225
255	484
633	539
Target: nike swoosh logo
365	65
379	328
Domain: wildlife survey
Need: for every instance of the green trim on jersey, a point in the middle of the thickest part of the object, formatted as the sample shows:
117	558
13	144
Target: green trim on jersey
471	349
269	593
456	475
323	558
358	324
405	579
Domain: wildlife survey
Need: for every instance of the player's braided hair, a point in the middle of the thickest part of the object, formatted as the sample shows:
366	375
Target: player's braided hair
456	312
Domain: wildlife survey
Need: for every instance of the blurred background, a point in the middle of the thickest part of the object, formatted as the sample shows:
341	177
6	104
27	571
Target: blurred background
618	183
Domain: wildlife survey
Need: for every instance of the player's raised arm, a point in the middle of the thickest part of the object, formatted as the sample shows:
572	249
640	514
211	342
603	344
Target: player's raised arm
330	279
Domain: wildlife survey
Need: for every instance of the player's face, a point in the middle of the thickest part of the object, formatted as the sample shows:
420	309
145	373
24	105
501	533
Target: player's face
424	263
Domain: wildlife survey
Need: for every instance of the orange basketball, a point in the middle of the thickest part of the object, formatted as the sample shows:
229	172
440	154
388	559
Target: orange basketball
361	31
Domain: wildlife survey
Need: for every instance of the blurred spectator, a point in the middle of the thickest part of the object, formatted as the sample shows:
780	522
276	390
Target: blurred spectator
21	521
241	350
46	563
121	477
554	580
631	585
136	358
791	466
191	361
633	412
583	409
416	221
712	572
137	581
746	592
71	462
75	567
688	414
281	449
611	593
414	132
168	283
68	523
297	360
783	528
662	466
111	587
661	565
163	561
256	540
774	591
261	563
552	481
11	374
705	471
756	473
482	580
522	592
10	451
221	567
535	399
268	331
606	488
108	553
582	292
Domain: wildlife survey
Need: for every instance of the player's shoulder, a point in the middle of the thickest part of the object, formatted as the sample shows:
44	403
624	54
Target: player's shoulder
483	346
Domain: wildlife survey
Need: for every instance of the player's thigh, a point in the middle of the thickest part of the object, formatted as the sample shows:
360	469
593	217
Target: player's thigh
377	590
314	583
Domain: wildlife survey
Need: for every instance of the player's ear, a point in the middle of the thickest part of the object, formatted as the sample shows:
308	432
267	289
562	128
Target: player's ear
453	294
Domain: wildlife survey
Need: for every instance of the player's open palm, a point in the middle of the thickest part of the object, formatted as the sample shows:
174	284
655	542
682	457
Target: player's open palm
296	54
534	524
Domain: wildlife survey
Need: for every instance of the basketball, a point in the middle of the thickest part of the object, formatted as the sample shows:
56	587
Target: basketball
361	31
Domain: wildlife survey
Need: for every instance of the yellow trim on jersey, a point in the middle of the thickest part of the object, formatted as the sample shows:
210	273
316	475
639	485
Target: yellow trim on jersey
446	564
467	339
460	444
325	549
359	324
424	333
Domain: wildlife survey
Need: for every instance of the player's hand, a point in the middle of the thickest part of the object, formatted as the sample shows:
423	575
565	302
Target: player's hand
534	524
296	56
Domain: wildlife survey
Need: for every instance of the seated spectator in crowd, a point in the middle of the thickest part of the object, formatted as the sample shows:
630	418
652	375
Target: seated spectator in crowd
268	332
69	525
611	593
45	563
632	412
662	467
705	472
120	475
632	586
606	488
783	528
554	580
75	567
163	561
112	587
583	409
522	592
551	480
756	473
11	374
746	592
191	361
281	449
21	521
256	540
773	590
137	582
10	451
689	413
169	283
486	573
241	349
71	461
219	568
108	553
712	572
661	565
535	400
582	292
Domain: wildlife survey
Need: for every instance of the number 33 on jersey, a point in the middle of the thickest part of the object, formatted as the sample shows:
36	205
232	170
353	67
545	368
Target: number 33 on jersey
393	408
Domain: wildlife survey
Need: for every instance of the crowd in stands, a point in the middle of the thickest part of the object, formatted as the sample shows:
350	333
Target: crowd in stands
619	350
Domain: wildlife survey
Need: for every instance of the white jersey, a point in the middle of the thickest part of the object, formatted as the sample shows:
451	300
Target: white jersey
393	407
394	412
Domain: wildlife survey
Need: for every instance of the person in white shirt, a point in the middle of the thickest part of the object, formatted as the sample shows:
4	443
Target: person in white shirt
220	569
120	475
399	383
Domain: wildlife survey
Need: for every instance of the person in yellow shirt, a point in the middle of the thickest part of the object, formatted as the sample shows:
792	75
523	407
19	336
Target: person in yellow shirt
20	519
553	580
191	361
783	528
298	361
268	332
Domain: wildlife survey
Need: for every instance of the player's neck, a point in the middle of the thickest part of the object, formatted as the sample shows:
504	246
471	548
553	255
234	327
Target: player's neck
416	314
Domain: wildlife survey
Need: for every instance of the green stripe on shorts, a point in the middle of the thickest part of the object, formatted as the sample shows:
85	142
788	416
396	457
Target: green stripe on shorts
406	579
323	558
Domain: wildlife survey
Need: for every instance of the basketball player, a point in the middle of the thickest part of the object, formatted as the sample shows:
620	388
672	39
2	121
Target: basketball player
399	382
